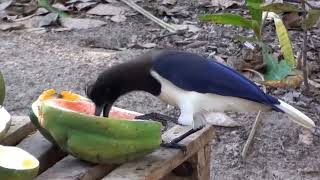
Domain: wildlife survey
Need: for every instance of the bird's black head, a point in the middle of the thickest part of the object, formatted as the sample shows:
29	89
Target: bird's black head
103	92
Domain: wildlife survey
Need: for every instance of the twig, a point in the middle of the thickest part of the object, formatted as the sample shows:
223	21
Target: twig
251	135
259	74
150	16
256	122
304	50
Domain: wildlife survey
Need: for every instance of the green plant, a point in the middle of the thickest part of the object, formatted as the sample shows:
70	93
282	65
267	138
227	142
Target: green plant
310	18
276	70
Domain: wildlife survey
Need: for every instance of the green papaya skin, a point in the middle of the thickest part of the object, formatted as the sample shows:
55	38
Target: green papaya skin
2	90
35	121
10	174
99	139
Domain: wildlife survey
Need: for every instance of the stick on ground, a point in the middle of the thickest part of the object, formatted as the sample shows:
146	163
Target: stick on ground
150	16
251	135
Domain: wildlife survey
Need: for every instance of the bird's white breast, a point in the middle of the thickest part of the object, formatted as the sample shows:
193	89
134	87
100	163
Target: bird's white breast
201	102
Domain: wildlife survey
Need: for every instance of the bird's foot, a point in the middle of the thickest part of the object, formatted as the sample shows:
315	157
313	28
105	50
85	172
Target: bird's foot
174	143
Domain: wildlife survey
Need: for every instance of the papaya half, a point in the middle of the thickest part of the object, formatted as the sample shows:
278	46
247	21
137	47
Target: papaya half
68	120
17	164
5	118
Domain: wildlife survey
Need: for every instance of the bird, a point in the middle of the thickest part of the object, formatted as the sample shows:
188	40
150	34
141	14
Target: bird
190	82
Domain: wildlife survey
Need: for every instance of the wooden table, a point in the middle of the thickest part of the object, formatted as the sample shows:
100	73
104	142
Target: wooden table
163	163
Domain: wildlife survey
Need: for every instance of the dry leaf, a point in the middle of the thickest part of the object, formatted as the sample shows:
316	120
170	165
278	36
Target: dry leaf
292	20
118	18
224	3
313	83
186	27
60	7
48	19
107	10
306	137
11	26
5	4
169	2
74	23
291	81
220	119
84	5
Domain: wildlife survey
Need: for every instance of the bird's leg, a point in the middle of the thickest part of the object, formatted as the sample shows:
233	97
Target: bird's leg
185	118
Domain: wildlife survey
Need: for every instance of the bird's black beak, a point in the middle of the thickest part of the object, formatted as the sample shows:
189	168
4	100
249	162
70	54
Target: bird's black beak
103	109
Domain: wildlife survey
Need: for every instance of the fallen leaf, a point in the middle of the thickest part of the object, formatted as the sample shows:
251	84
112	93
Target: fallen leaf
306	137
11	26
313	83
60	7
25	9
75	23
42	11
143	46
107	10
196	44
118	18
5	4
48	19
290	81
224	3
186	27
84	5
292	20
220	119
169	2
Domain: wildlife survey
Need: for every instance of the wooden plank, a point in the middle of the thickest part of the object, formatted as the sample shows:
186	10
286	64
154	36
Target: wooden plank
71	168
201	163
21	127
161	162
42	149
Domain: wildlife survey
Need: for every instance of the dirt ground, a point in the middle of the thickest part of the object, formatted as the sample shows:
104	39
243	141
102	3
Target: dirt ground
32	62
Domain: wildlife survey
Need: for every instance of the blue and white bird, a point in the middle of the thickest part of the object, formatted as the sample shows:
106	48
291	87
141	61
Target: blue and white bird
190	82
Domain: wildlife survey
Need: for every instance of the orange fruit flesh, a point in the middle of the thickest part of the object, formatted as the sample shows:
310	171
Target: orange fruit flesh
89	108
77	106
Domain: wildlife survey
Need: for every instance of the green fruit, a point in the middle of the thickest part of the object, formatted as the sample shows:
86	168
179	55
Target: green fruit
17	164
71	125
2	89
34	117
5	122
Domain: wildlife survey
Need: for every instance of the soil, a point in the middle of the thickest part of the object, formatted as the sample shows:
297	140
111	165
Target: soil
32	62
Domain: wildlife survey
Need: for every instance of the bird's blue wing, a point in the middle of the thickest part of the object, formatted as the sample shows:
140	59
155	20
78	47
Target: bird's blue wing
194	73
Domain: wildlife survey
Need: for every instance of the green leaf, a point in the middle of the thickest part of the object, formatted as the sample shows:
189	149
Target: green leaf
232	19
45	4
284	40
227	18
275	70
280	7
256	13
312	19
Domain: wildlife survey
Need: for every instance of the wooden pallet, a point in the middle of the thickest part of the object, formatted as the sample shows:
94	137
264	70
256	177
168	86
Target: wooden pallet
162	164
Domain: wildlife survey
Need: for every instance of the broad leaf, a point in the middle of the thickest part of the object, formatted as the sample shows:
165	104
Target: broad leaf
280	7
227	18
232	19
312	19
284	40
275	70
256	14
